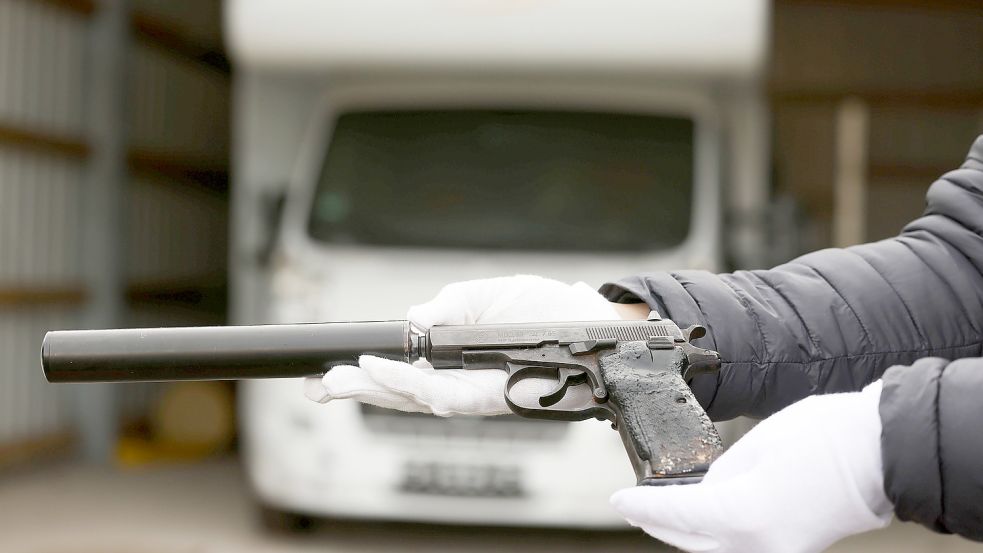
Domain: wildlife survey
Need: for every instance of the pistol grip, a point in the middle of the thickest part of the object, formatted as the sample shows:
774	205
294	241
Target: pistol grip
667	435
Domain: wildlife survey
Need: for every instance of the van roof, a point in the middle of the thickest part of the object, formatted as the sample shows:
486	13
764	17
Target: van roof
696	38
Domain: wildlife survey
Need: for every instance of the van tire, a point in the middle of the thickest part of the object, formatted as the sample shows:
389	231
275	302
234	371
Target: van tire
285	522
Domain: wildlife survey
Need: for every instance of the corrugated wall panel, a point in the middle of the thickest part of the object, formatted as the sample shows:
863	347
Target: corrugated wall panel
177	237
197	20
177	229
846	45
908	149
39	249
42	64
922	137
40	225
178	232
178	106
30	407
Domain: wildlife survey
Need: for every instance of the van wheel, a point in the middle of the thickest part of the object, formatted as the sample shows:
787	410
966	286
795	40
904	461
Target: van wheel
283	522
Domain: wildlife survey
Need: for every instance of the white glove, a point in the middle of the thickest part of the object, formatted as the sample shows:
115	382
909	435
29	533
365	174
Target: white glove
801	480
420	388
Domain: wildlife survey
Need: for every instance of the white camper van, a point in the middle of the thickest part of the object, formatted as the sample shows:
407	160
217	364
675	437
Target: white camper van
417	143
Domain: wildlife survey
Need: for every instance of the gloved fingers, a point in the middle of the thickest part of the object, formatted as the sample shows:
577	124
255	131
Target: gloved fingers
768	443
467	302
678	515
537	299
514	299
801	480
449	307
600	306
759	446
445	392
347	381
350	382
468	392
396	385
341	382
315	391
739	459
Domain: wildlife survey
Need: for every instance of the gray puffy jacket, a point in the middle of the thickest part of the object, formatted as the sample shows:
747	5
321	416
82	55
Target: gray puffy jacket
908	309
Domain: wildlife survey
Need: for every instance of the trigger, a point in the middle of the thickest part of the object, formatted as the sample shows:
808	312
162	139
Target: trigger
567	377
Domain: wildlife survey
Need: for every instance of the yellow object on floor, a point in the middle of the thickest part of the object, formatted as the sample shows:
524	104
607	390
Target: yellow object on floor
192	421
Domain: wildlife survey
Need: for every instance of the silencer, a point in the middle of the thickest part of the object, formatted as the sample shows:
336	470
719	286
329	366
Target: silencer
218	352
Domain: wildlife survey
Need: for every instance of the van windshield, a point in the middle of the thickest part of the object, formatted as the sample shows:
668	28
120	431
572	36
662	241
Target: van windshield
506	179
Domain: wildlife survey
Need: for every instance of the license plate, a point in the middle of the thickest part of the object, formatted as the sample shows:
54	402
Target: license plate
452	479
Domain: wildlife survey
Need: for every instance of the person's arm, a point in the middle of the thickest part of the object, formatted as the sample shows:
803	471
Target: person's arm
834	320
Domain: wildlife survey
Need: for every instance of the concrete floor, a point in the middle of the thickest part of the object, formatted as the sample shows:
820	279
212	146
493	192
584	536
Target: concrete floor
206	508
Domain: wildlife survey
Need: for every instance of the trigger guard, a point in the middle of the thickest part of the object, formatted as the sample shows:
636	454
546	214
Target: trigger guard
596	410
514	377
509	383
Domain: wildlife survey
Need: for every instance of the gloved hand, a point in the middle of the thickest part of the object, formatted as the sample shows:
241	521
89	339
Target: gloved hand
801	480
420	388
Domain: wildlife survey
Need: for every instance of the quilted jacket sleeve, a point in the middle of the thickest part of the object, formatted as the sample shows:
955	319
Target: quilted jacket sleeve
836	319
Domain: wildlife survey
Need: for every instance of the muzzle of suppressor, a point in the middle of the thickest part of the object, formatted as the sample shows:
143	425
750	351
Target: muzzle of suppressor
219	352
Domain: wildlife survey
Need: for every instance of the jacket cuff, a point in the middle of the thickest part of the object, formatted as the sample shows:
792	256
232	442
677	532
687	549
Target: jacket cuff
633	290
961	447
910	441
663	293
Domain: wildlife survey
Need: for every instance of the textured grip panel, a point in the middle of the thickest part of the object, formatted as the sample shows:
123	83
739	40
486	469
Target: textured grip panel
666	432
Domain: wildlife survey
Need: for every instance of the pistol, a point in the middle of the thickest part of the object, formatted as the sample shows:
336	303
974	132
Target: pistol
637	371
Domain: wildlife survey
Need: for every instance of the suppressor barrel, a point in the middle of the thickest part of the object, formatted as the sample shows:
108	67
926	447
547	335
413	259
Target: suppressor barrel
218	352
